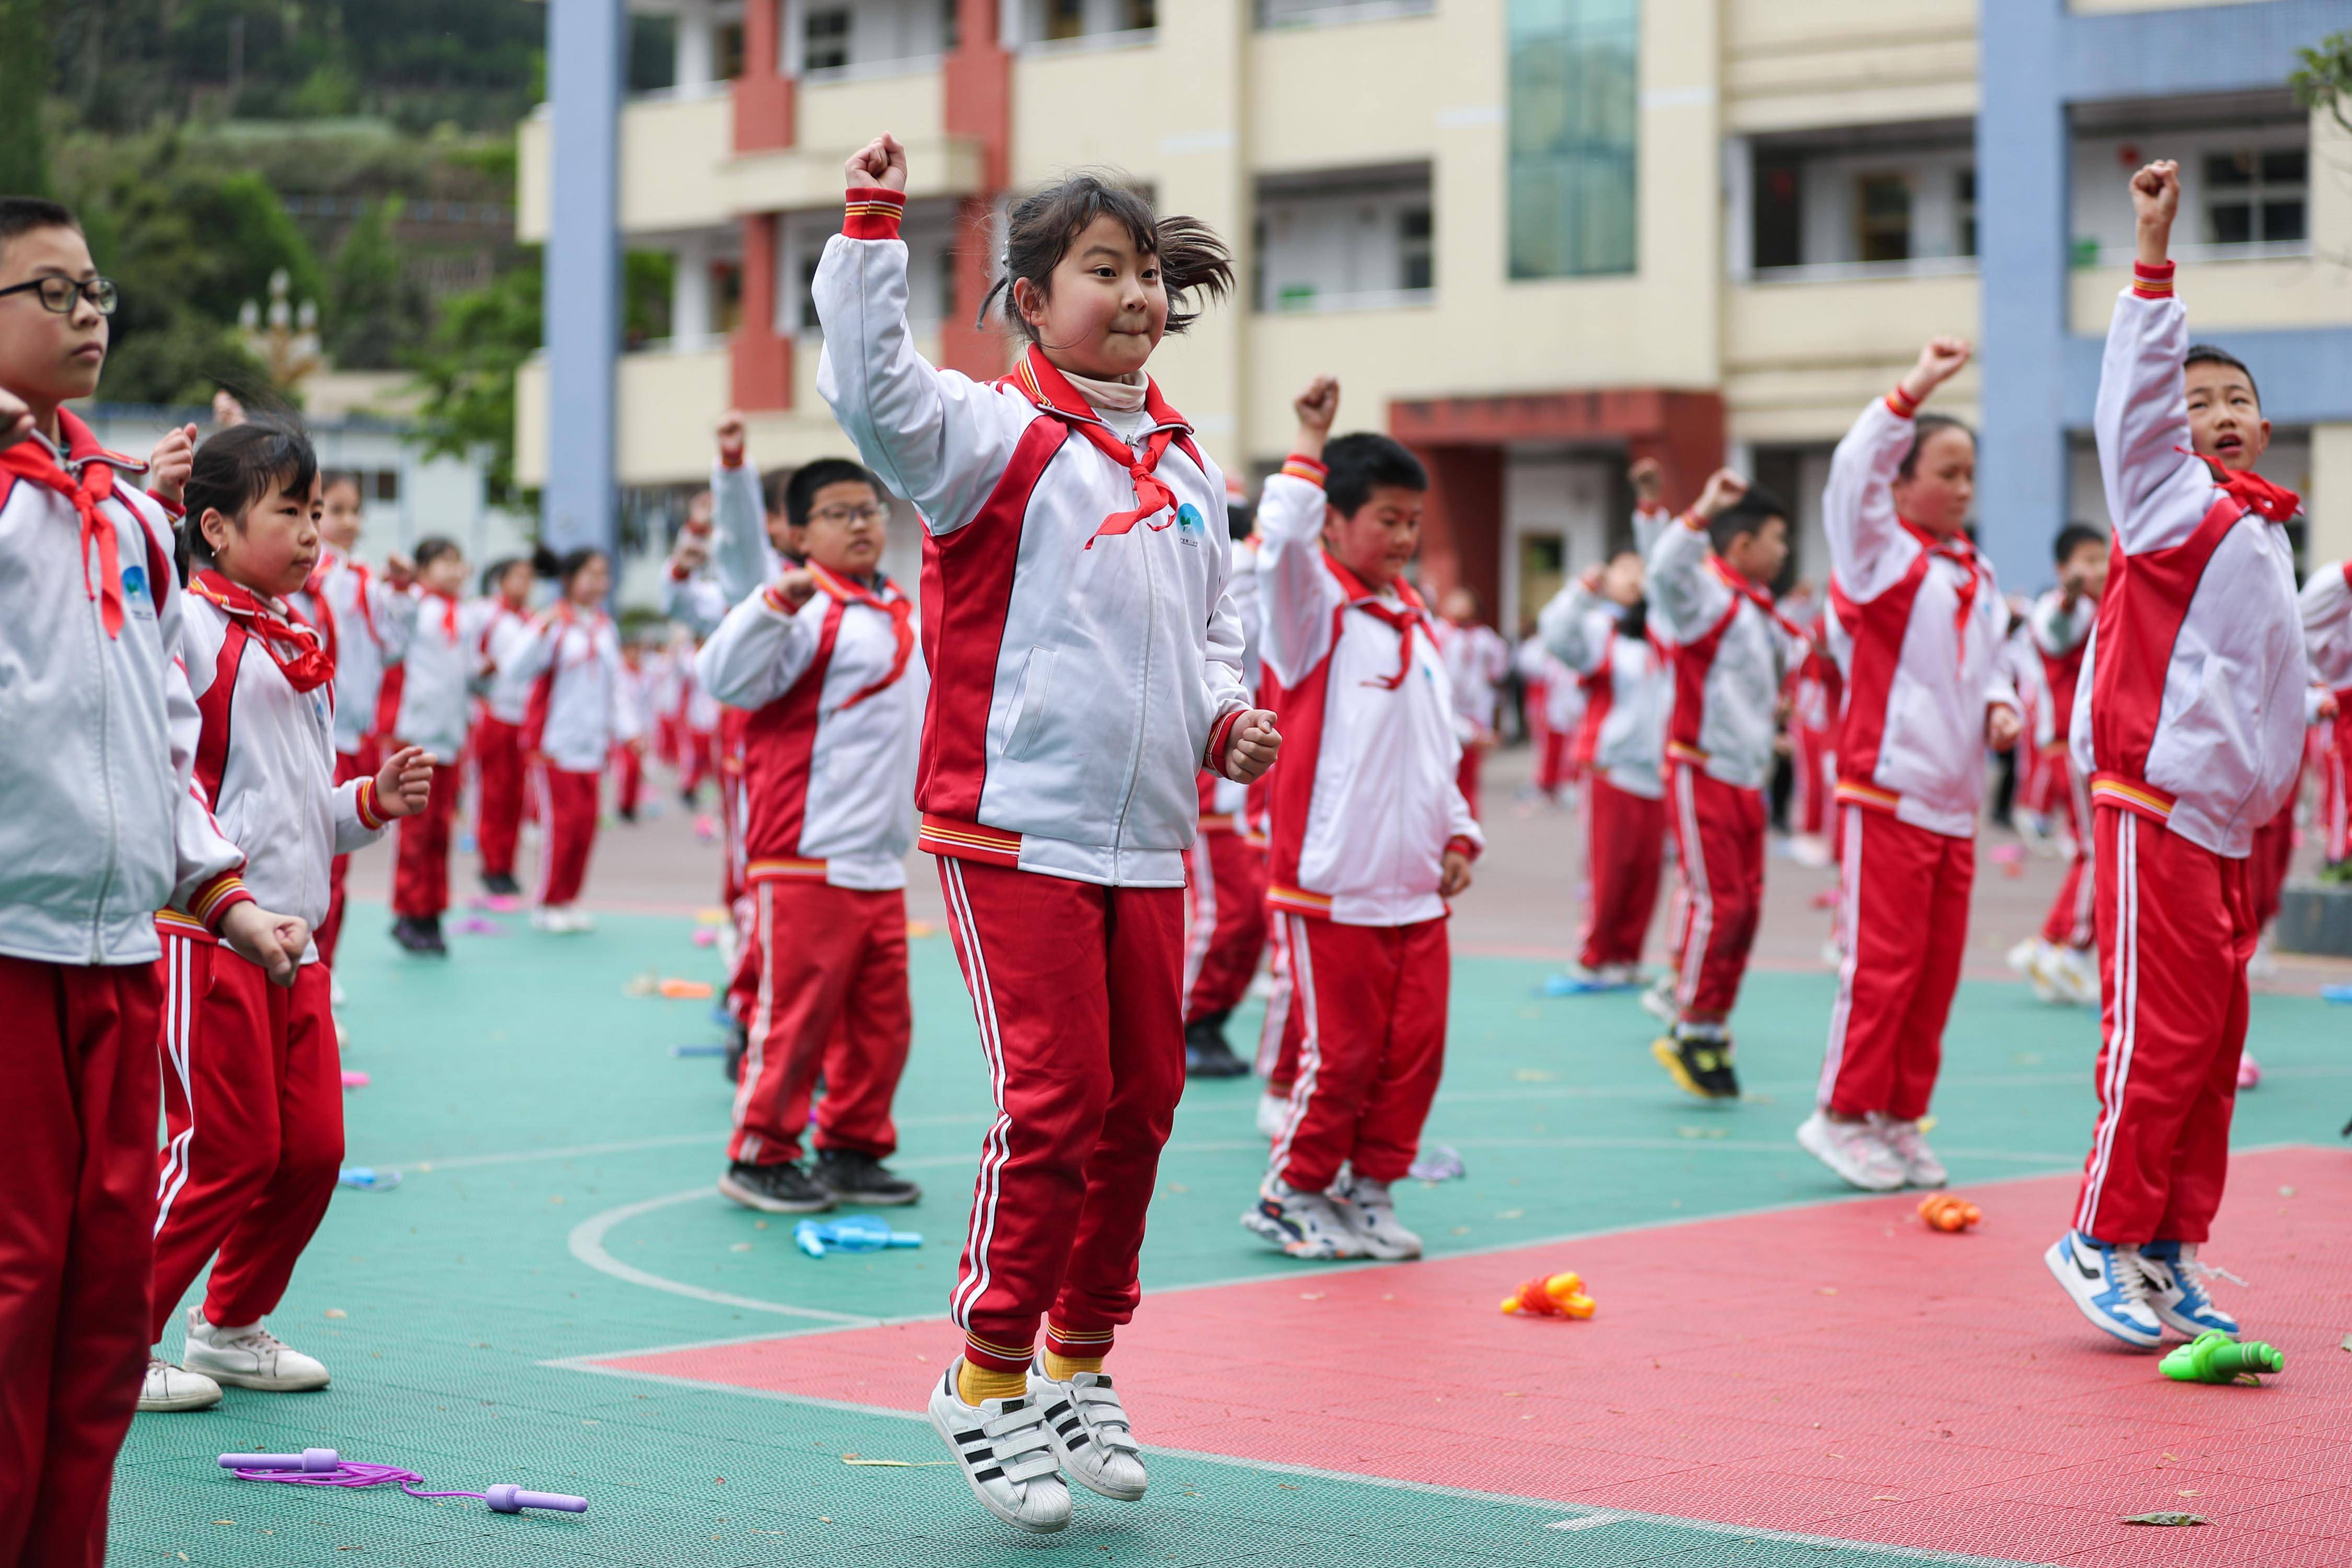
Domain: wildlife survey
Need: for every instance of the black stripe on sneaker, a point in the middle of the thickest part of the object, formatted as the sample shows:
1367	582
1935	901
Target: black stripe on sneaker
993	1472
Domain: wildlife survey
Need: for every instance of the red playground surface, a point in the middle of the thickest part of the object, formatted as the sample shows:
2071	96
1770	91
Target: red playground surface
1837	1370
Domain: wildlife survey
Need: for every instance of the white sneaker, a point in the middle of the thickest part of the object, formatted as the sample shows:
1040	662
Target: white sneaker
2263	964
2020	957
1808	851
1920	1166
2107	1286
1272	1110
1658	1000
1833	953
1007	1454
1304	1224
1088	1427
249	1357
169	1387
1368	1211
1852	1148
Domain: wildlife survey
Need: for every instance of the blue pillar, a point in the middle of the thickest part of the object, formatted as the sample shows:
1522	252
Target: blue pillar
2022	228
586	58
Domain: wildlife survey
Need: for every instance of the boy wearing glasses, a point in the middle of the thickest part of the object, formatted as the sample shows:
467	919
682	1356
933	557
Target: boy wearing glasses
818	658
98	831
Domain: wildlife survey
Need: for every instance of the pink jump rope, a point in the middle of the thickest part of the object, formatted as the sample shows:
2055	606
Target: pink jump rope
325	1467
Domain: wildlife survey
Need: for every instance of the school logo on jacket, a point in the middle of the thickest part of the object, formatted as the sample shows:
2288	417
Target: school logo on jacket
1188	524
134	591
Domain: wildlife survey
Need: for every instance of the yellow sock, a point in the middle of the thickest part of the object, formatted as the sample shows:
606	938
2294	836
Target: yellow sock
974	1384
1062	1368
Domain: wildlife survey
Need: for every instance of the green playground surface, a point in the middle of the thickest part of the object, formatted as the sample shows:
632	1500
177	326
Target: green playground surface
557	1204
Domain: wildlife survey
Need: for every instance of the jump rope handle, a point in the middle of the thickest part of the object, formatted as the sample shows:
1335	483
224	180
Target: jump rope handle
314	1460
505	1498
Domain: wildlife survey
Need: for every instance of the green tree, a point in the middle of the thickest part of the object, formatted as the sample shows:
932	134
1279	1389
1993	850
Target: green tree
468	371
24	97
375	314
2323	77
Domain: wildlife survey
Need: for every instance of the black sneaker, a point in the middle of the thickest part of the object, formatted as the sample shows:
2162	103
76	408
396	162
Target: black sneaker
1206	1055
856	1177
500	885
774	1189
1698	1067
420	936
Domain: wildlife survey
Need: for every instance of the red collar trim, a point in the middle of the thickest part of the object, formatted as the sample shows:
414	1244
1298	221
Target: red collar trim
1050	389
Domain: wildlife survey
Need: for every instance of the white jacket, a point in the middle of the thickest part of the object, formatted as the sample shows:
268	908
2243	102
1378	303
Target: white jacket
1919	676
1560	688
577	713
2196	675
1731	657
1363	801
371	622
1477	662
436	686
1636	696
2326	608
829	745
496	628
99	826
265	761
1079	679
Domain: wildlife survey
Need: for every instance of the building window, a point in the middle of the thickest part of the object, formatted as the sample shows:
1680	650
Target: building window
387	484
824	40
1318	13
1964	210
951	25
1064	19
1881	217
2255	195
1416	259
1780	213
1348	239
729	51
1575	103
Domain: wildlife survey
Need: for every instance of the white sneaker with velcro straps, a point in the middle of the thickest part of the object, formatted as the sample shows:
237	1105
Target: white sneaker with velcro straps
1088	1427
1008	1456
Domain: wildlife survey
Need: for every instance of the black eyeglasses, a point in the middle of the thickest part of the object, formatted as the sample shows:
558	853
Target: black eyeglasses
58	294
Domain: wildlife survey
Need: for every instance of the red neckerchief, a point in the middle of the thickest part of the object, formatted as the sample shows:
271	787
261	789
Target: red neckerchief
449	612
1050	390
844	592
309	666
30	459
2276	504
1747	588
1956	548
1361	597
330	632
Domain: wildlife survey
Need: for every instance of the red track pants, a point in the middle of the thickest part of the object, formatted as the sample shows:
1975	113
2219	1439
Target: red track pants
2069	923
567	815
1077	991
1278	1034
1624	838
1720	845
498	801
2335	783
420	865
1224	913
78	1075
1905	921
2175	928
253	1106
831	995
2266	868
349	765
628	779
1371	1004
1812	775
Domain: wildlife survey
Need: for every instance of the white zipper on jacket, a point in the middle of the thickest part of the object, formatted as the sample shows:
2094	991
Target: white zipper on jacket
106	773
1150	636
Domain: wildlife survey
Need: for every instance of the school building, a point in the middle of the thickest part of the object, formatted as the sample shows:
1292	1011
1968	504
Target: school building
1533	237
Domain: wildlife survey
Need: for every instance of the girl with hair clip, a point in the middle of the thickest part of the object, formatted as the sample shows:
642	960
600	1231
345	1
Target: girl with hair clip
1085	665
577	714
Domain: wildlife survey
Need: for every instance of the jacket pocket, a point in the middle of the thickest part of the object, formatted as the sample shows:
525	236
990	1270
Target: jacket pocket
1030	702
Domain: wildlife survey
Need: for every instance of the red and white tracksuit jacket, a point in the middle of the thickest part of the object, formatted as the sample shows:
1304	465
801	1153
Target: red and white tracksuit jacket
252	1086
1365	808
2060	629
1477	662
2192	738
1086	664
2326	610
1732	654
444	662
1629	695
99	827
573	659
1555	713
1922	671
1225	881
829	774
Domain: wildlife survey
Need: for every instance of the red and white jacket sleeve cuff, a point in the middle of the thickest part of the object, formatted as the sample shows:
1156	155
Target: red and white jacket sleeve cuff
171	509
1901	403
873	213
2152	282
371	818
212	903
1298	466
1461	844
1221	737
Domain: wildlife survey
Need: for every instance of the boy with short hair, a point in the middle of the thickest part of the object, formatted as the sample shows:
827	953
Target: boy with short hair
1371	834
1709	584
2062	962
97	828
2192	737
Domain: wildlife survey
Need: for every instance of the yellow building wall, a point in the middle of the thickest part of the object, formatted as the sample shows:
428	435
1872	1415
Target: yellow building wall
1802	358
1796	64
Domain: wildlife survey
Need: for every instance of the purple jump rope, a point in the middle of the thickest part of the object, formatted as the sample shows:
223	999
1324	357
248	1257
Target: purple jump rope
325	1467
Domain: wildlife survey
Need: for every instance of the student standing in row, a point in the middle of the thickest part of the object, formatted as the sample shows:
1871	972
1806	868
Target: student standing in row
505	617
437	701
572	658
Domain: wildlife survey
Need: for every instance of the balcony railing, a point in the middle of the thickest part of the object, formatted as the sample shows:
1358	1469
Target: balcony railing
1857	272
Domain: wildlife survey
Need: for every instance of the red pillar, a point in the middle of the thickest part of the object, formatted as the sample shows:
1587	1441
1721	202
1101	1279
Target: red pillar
977	82
763	94
1462	523
1687	439
759	357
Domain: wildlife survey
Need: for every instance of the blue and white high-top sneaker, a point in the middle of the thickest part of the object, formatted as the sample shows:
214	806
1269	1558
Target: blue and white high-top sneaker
2106	1284
2177	1291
